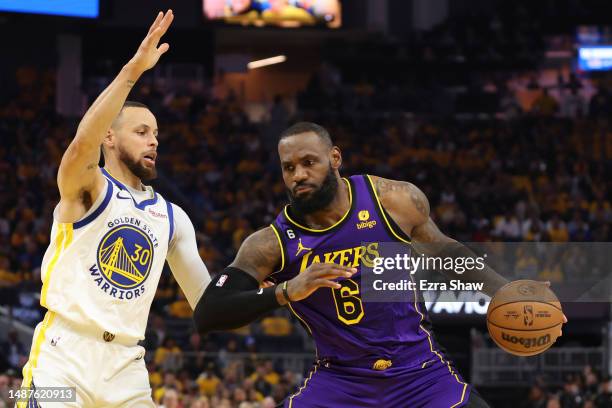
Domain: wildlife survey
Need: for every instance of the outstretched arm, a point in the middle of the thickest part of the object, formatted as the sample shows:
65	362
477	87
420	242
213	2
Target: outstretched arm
409	208
234	298
79	179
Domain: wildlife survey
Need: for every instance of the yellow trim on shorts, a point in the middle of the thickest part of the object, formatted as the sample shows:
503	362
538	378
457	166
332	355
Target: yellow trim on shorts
34	354
280	244
434	351
382	211
62	241
303	387
350	190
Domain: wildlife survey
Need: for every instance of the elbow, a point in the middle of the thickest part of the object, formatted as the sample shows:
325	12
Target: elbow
203	321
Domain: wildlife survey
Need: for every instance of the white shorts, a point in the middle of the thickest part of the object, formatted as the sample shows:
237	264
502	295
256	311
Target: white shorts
104	373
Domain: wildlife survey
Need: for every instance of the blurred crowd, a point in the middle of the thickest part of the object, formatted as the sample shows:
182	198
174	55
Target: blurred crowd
535	170
264	386
587	389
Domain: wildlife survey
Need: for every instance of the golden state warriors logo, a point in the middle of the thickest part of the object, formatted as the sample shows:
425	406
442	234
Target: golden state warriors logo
125	255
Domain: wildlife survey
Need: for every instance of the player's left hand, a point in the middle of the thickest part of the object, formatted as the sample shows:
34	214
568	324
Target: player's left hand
149	53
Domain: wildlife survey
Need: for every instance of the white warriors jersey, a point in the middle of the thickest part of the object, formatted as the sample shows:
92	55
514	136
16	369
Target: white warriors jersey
102	271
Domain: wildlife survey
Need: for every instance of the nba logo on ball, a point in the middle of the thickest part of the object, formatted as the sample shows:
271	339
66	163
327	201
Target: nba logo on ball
541	322
528	315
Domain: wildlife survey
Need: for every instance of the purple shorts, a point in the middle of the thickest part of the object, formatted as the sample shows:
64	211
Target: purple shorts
432	384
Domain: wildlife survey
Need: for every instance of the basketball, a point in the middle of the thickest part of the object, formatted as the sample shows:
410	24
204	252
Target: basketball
524	317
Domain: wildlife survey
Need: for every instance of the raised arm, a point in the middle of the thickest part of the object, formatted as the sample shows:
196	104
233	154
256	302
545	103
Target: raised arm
79	178
409	208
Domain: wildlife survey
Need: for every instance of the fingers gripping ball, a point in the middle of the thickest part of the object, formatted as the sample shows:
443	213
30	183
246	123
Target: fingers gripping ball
524	317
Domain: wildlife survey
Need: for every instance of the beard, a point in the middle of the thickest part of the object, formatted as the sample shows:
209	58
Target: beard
316	200
137	169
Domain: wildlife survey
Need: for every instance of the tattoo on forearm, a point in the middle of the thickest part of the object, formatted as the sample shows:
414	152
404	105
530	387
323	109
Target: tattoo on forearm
130	83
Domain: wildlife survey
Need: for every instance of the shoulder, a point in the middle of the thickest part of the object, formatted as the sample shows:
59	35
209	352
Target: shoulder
263	239
180	223
396	195
177	212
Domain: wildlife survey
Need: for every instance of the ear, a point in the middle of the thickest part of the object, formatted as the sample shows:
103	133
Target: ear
109	139
335	157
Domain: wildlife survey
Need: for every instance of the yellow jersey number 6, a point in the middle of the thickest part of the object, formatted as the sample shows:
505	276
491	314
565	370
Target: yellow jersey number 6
348	303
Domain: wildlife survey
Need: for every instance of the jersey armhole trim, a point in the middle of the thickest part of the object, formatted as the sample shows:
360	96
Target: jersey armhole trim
95	213
390	224
282	247
171	220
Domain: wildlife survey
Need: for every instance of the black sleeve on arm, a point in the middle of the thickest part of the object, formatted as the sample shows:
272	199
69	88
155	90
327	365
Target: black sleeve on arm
231	300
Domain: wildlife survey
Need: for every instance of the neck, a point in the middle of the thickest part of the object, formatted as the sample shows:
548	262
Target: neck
122	173
331	214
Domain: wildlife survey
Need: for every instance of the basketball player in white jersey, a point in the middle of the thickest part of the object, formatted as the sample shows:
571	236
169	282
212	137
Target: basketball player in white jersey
110	238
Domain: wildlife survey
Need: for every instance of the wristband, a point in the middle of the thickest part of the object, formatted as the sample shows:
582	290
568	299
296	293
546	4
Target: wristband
285	293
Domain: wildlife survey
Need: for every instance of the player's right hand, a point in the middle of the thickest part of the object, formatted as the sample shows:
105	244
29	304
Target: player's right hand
149	53
318	275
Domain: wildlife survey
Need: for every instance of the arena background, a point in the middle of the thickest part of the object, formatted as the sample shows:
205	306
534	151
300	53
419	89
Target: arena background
483	104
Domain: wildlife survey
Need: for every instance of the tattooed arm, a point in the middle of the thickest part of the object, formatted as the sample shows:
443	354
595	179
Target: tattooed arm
409	208
234	298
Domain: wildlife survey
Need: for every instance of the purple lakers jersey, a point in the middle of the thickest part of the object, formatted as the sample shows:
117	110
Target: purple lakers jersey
345	327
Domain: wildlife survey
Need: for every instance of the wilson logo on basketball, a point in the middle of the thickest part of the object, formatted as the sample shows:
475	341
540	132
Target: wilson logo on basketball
526	342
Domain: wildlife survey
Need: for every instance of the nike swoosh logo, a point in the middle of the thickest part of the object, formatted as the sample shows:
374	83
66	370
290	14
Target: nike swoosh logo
260	291
118	195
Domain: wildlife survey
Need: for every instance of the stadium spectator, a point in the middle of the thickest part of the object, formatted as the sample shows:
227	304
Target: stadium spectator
169	356
14	351
208	381
545	104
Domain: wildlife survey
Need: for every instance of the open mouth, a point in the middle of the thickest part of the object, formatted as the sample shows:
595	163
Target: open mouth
149	158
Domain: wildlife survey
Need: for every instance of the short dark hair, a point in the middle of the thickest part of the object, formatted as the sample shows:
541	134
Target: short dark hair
134	104
306	127
126	104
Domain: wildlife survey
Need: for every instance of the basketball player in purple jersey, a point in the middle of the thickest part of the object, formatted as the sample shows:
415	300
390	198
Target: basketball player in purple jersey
369	354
